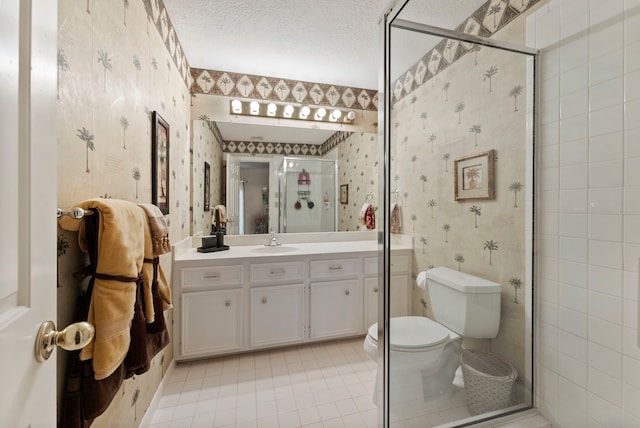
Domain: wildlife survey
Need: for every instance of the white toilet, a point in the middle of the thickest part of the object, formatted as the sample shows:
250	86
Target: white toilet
424	354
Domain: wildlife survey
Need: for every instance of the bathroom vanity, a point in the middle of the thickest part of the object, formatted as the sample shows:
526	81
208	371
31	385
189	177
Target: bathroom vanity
254	296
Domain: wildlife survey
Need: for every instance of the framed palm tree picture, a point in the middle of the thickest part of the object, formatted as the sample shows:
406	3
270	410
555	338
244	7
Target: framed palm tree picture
474	176
160	162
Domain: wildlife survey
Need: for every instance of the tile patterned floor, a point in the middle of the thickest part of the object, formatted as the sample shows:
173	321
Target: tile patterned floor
325	384
319	385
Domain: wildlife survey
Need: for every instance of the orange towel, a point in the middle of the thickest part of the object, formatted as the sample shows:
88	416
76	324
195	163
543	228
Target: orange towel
121	242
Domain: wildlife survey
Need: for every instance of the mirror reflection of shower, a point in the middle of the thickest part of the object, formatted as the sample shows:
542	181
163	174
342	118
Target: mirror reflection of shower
307	195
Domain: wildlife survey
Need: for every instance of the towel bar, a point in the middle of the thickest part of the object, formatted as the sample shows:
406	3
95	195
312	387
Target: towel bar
73	212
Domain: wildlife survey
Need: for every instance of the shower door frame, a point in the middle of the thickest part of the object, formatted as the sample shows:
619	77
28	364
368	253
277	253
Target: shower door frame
388	21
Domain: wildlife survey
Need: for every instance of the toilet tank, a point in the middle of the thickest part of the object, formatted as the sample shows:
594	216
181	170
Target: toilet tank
466	304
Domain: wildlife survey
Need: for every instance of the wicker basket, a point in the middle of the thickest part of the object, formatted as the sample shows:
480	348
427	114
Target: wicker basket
487	380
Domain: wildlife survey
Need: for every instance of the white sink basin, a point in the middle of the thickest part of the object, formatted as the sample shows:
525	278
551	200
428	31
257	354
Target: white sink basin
274	250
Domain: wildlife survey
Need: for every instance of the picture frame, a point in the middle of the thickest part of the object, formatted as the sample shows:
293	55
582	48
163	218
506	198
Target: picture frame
160	133
474	176
207	186
344	194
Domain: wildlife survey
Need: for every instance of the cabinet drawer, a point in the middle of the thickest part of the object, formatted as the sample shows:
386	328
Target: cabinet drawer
276	272
400	263
334	268
211	276
370	265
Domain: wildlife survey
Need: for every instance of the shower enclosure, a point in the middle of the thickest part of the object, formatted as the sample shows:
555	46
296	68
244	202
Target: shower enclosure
307	195
458	113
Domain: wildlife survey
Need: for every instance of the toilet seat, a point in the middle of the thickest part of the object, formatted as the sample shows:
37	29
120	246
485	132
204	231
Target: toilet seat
413	334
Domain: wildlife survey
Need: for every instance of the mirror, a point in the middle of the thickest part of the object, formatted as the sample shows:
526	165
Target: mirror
356	157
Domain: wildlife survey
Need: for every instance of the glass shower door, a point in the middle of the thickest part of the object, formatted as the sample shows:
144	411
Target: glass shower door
458	118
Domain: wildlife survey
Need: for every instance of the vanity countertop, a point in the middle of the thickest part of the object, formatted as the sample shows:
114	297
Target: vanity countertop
285	250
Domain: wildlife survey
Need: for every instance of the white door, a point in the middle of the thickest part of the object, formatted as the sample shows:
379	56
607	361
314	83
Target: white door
28	34
233	187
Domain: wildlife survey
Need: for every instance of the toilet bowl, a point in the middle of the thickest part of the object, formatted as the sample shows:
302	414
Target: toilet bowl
417	341
424	353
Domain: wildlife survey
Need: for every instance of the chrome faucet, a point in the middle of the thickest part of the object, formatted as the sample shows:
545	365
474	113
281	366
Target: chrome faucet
273	242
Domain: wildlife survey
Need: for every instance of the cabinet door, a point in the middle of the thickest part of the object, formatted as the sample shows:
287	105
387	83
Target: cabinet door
370	302
399	296
336	308
211	321
277	314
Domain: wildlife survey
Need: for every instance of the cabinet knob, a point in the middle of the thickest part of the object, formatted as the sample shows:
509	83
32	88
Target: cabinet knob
347	292
227	303
375	290
264	300
335	267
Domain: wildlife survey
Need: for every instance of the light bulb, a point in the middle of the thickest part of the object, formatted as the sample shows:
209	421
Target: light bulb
288	110
236	106
320	113
254	107
351	115
304	112
335	115
271	109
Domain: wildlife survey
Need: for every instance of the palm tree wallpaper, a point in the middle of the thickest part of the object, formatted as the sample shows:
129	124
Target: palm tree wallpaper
479	237
108	56
104	142
207	147
357	167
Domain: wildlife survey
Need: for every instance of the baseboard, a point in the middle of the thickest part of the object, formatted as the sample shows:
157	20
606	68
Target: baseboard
148	414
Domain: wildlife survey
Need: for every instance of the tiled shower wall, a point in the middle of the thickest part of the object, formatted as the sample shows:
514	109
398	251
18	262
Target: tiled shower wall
589	210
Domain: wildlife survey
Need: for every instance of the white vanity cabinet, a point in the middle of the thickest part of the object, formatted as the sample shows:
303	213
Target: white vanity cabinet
212	322
277	314
336	299
400	294
242	300
211	302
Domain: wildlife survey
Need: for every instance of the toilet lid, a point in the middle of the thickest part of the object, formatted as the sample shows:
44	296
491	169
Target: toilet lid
413	332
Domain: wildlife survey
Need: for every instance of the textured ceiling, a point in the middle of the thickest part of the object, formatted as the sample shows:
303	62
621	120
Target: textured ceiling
324	41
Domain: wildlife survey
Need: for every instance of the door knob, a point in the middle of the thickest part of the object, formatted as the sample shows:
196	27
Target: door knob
75	336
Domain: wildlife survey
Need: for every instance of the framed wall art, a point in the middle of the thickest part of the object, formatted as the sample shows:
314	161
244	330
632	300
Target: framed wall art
344	193
160	162
474	176
207	186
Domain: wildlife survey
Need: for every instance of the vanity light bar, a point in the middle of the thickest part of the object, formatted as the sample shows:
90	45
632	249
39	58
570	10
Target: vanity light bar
289	111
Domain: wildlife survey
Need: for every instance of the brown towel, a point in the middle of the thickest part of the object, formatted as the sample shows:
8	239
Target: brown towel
159	229
220	214
154	234
121	242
